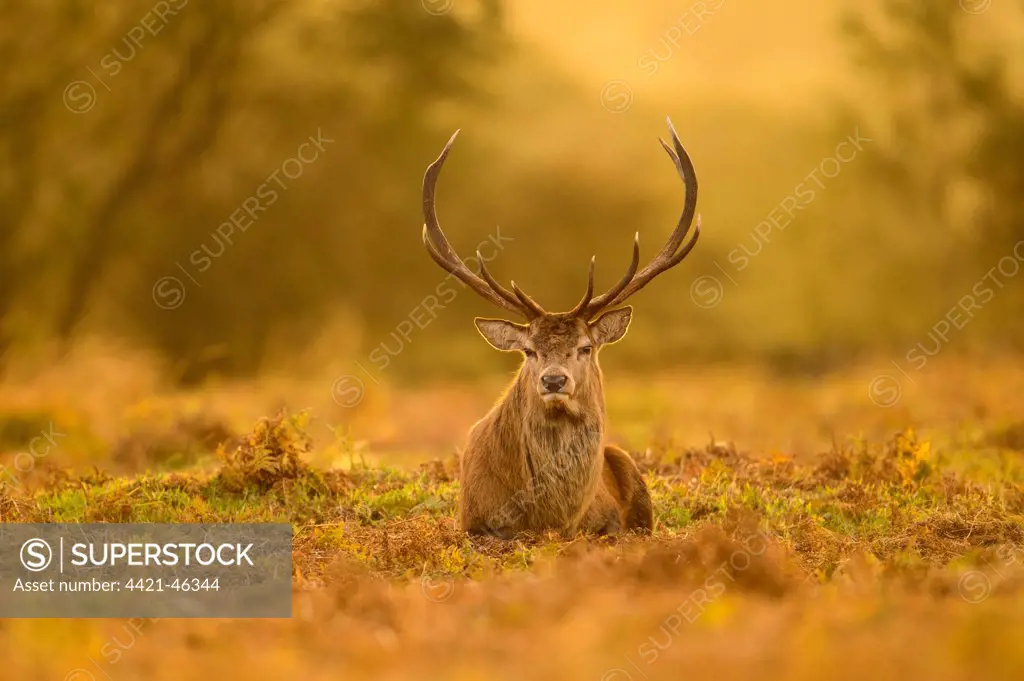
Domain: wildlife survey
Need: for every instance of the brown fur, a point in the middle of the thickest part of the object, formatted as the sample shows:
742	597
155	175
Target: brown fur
622	500
538	460
536	465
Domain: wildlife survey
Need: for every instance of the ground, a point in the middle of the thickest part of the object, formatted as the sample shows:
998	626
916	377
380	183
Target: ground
823	531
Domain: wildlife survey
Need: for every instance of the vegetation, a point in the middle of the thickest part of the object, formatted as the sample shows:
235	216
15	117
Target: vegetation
914	536
898	501
215	307
127	150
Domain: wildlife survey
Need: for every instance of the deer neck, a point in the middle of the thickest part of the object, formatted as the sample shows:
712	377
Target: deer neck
560	451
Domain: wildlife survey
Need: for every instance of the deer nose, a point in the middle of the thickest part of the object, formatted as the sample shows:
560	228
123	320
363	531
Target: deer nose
553	382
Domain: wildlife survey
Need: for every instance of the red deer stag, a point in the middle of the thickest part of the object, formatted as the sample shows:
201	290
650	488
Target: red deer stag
538	461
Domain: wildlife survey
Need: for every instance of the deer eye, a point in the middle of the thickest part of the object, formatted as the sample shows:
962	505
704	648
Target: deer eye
585	350
529	353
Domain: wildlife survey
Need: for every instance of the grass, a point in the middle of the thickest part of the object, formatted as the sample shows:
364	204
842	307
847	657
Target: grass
875	558
898	501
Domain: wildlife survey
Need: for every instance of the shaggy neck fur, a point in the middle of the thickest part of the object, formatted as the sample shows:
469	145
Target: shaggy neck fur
561	446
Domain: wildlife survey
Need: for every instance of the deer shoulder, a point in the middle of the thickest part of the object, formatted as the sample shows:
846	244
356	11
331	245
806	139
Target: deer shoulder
538	460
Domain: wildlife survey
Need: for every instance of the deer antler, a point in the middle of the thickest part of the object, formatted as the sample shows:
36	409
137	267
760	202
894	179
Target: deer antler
444	255
670	255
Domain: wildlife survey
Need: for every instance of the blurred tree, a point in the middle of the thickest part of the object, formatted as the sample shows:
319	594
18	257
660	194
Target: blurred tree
955	132
123	151
29	76
186	115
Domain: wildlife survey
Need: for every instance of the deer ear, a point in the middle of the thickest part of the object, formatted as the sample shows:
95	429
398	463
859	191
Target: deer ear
611	326
502	335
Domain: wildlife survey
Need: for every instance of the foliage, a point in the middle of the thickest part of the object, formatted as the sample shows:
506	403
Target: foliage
269	455
125	180
130	154
893	501
870	542
952	134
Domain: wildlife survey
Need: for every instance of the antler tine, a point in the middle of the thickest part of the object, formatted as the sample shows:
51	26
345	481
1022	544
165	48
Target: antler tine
493	283
601	302
671	254
529	303
684	166
444	255
433	228
582	305
437	257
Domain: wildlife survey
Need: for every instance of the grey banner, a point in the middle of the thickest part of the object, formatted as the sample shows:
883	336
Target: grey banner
145	570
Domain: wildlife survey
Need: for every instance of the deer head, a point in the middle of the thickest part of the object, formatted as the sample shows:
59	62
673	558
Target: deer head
560	348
